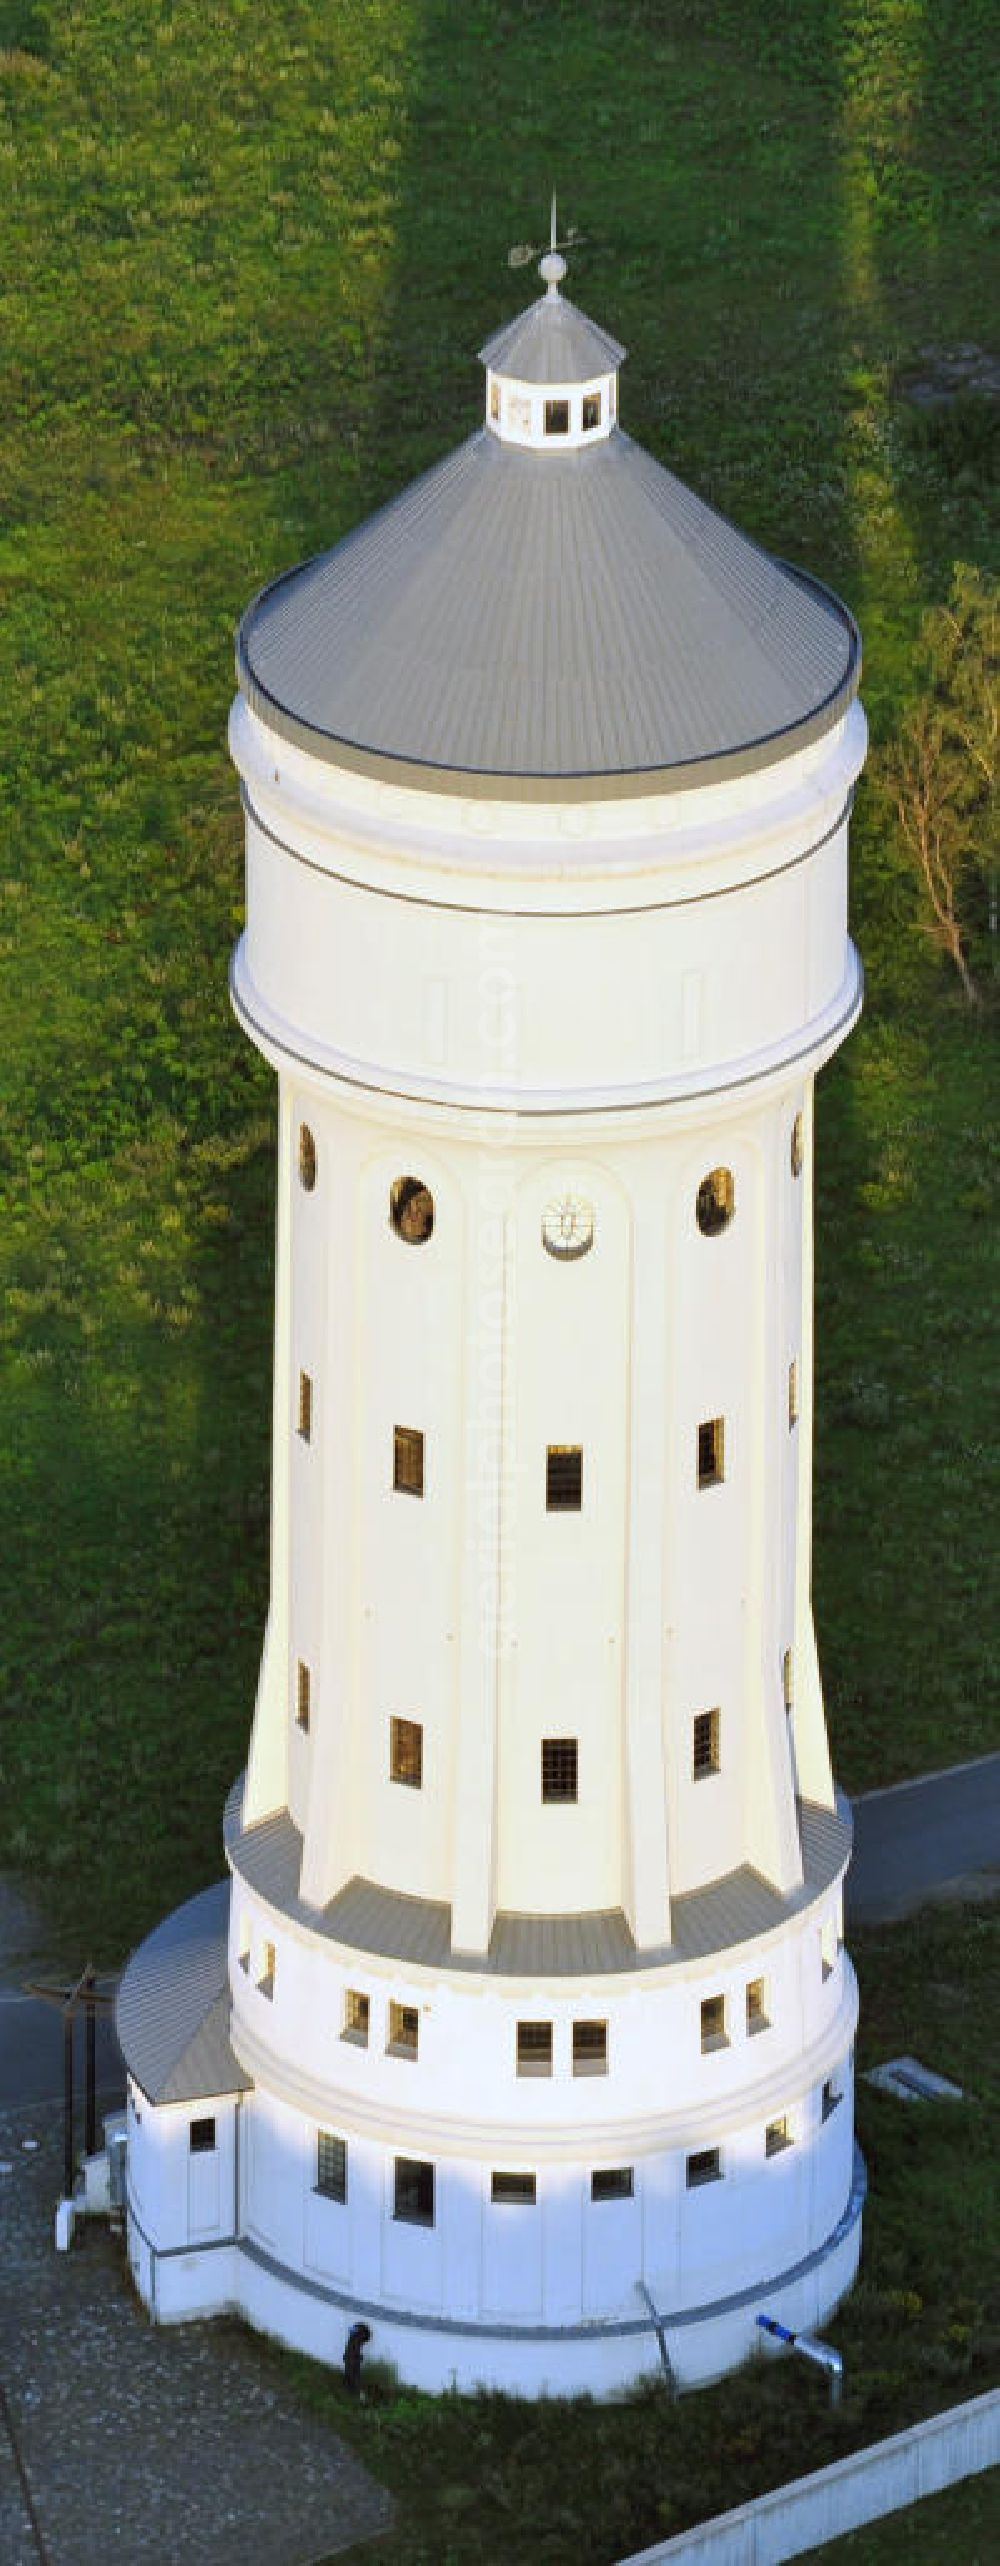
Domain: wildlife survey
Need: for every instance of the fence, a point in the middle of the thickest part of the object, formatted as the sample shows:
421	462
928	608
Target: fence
803	2515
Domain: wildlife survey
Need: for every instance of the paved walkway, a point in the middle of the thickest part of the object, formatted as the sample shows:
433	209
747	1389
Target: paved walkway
154	2446
932	1839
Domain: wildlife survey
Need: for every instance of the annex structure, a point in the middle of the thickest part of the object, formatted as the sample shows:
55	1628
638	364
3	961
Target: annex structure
524	2018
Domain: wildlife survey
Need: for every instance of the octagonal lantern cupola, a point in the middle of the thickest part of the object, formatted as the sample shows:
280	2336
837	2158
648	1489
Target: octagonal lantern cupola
551	374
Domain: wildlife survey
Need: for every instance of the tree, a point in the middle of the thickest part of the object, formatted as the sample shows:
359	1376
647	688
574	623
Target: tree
942	774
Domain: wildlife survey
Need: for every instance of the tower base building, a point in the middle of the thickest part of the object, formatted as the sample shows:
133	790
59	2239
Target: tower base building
522	2028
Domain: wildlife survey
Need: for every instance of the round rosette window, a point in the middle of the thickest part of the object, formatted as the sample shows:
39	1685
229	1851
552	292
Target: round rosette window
568	1227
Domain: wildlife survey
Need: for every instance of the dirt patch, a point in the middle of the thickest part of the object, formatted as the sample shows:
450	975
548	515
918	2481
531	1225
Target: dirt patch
948	374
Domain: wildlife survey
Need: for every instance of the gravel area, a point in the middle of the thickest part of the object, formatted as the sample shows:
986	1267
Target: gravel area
151	2445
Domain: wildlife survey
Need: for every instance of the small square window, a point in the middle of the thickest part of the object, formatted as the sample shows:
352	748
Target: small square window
713	2022
331	2166
413	2191
612	2183
557	418
408	1461
303	1696
590	2049
711	1452
515	2188
831	2098
357	2017
777	2136
534	2049
406	1752
704	2166
564	1478
793	1394
202	2138
266	1980
591	410
757	2017
305	1407
404	2031
559	1768
705	1744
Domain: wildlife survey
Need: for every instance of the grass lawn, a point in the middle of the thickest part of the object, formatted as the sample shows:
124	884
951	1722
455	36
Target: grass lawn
959	2528
249	257
491	2481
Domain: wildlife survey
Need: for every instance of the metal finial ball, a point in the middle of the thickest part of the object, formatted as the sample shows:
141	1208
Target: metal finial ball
552	268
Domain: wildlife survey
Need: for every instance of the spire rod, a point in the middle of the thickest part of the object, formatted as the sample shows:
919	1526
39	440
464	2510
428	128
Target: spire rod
552	268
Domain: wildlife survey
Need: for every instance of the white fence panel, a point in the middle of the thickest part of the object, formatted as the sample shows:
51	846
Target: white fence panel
811	2510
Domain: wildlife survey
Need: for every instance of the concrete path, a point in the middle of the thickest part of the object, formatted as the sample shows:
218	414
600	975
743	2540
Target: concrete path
120	2440
932	1839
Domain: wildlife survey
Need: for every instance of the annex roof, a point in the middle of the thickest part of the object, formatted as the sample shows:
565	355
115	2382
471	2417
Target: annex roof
173	2006
552	342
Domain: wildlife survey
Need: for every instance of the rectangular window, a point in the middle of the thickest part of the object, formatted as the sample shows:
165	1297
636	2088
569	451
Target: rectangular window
590	2049
756	2005
331	2166
305	1407
406	1752
828	1943
713	2022
793	1394
564	1478
705	1744
831	2099
357	2017
711	1452
705	2166
559	1768
519	2188
591	409
494	401
202	2138
303	1694
777	2136
408	1461
266	1979
557	418
404	2031
413	2192
534	2049
612	2183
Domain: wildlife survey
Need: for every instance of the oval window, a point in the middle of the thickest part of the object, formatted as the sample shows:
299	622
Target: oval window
798	1145
715	1201
307	1158
411	1210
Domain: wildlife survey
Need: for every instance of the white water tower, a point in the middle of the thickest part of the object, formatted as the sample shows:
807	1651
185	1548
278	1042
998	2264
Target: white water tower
526	2011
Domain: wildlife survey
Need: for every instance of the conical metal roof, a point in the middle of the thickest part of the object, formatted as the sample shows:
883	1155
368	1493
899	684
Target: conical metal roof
552	343
548	625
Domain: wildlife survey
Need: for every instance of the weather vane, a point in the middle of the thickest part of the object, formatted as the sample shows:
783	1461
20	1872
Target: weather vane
524	251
